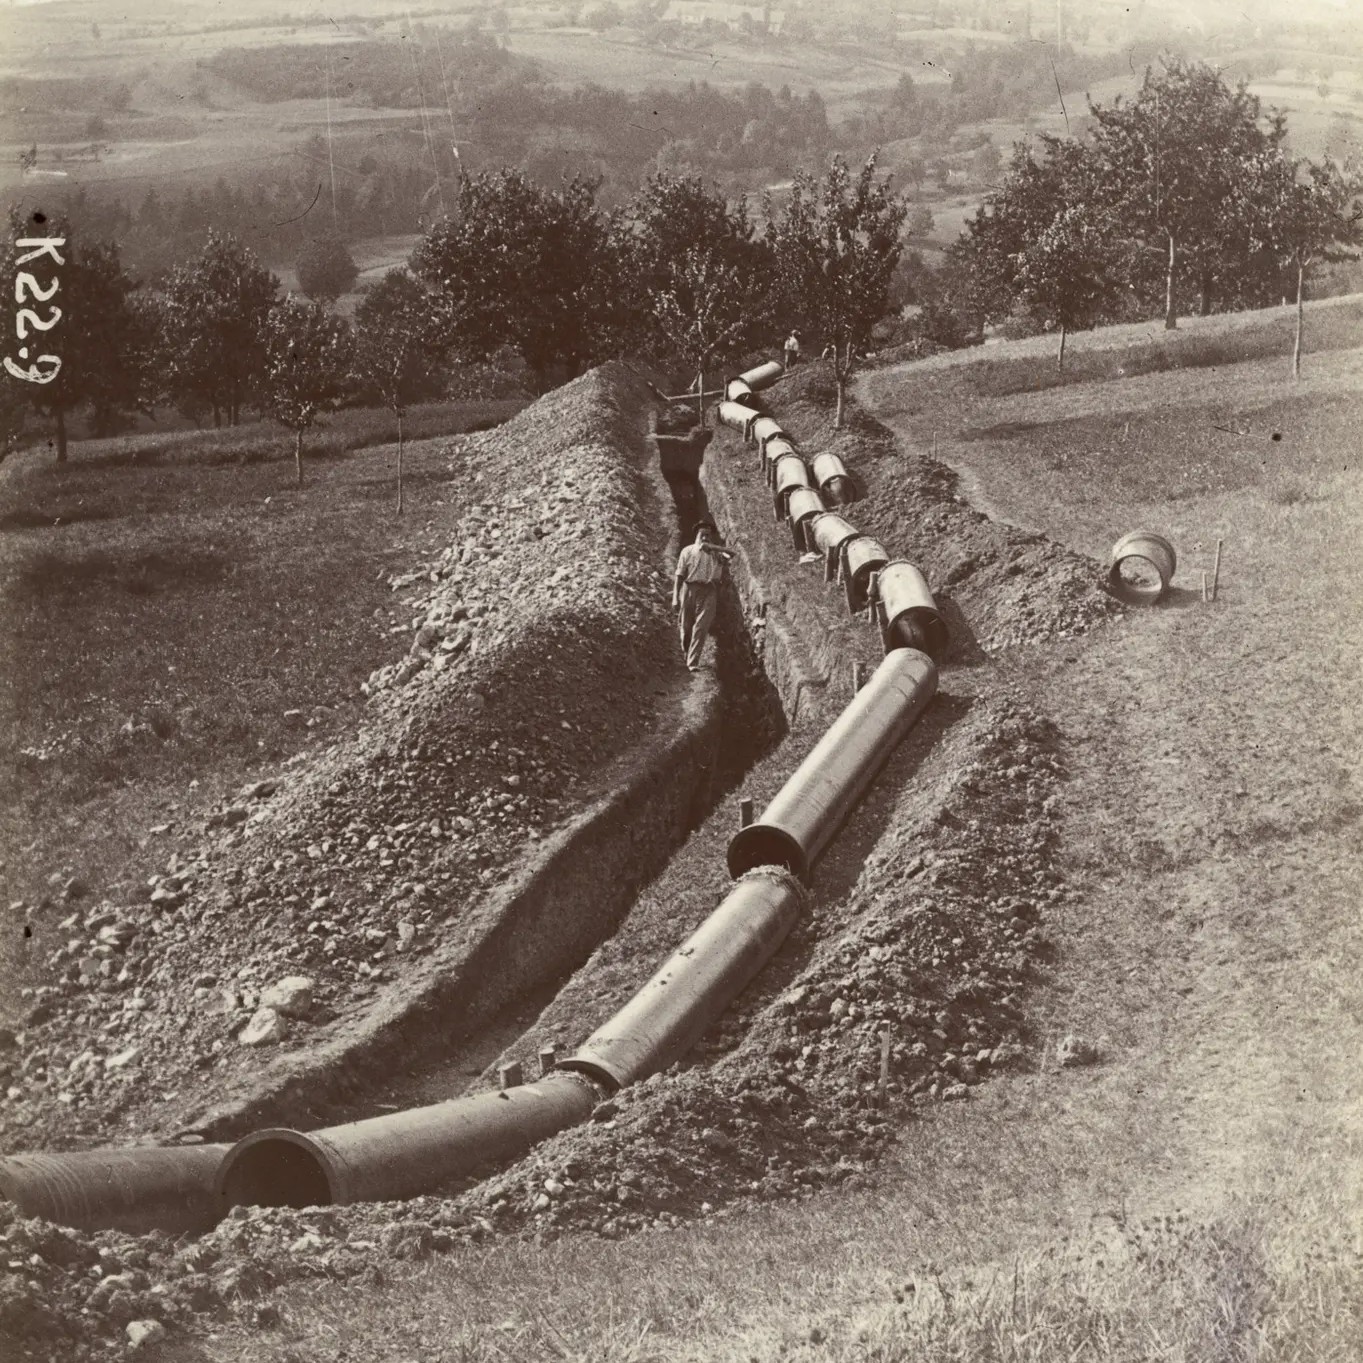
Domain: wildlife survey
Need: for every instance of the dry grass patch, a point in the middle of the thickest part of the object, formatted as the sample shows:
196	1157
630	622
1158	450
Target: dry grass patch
170	627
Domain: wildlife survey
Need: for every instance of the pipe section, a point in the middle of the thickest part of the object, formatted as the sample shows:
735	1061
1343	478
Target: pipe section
763	376
787	473
775	448
763	429
738	391
403	1154
858	558
810	808
736	416
1142	567
833	480
697	983
802	504
909	617
829	532
136	1189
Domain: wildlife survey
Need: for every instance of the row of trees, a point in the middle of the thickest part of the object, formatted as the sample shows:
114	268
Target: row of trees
1185	195
678	276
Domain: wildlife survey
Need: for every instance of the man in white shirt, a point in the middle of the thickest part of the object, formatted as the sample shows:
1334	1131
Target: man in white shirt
695	590
792	350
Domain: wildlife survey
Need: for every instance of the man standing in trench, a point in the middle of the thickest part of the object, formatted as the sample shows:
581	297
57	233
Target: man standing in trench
695	589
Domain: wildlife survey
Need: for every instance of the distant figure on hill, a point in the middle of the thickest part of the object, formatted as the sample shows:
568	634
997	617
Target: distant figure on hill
695	590
792	350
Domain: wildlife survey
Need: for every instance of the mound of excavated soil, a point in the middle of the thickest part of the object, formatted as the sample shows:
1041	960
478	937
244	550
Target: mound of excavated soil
538	639
1006	585
925	928
932	946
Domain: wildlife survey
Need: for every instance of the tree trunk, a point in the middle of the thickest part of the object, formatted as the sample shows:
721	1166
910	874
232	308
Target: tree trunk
1170	316
217	417
841	380
1204	294
399	417
61	435
700	396
1296	340
1060	358
298	457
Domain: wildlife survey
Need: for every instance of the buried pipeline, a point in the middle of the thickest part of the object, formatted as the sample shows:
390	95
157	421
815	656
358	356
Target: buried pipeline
186	1188
423	1149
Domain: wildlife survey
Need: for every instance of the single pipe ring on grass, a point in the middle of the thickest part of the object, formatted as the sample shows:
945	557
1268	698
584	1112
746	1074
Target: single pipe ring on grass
1142	567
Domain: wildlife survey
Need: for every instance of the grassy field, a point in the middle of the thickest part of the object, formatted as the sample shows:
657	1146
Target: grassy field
1195	1194
176	615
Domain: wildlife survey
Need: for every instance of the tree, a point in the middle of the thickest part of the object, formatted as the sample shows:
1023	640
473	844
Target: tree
326	270
214	321
521	266
1173	158
307	364
834	250
1067	274
1300	212
983	264
76	301
396	357
699	275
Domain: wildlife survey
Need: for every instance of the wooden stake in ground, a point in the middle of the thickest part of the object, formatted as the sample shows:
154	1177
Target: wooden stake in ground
1216	570
884	1065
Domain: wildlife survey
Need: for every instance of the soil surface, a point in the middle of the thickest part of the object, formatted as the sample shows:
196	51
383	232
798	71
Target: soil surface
539	653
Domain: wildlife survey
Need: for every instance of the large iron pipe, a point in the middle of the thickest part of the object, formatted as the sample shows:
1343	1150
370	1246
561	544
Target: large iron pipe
697	983
736	416
909	617
403	1154
1143	566
811	807
801	506
136	1189
738	391
858	559
765	428
787	473
831	531
776	448
833	480
763	376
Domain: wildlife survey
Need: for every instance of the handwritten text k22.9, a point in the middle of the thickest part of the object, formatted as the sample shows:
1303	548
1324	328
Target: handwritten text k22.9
29	288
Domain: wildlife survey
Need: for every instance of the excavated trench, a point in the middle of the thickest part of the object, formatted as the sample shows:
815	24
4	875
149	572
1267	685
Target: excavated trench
781	675
752	720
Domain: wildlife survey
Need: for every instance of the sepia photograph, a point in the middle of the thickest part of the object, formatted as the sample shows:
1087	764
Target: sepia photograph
681	681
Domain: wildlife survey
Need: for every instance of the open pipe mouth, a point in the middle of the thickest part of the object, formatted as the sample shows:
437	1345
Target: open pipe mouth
276	1168
1137	580
765	845
839	490
920	628
1143	565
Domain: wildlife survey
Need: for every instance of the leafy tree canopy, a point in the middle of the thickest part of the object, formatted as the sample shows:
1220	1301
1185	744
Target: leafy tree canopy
834	250
520	265
213	328
326	269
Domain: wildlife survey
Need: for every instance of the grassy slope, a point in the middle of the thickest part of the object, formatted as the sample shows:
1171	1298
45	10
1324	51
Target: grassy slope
1195	1195
142	676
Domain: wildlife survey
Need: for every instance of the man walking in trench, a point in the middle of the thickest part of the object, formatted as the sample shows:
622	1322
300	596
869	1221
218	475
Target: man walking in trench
695	590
